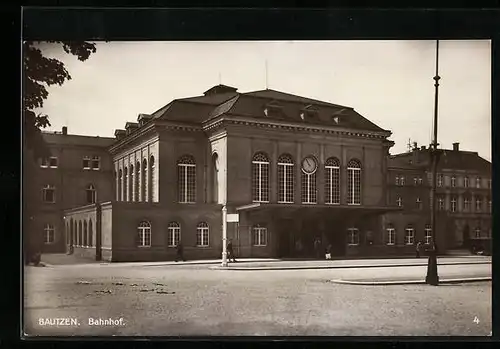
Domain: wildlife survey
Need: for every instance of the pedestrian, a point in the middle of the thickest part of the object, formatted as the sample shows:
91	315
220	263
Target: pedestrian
230	252
328	254
417	250
317	247
180	252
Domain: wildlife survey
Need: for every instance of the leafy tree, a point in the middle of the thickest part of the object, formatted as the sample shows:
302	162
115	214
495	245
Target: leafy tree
39	72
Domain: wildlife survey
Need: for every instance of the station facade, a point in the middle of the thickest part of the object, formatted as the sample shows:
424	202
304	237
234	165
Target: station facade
292	168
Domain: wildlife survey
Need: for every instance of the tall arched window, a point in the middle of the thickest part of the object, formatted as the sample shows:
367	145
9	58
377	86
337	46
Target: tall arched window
186	179
132	183
152	184
354	182
174	234
90	194
85	234
144	234
308	176
138	181
260	178
145	182
215	178
285	179
120	193
332	181
80	233
125	184
202	235
117	189
91	234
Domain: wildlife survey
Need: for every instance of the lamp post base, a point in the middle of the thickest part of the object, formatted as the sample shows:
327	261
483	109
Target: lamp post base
224	259
432	277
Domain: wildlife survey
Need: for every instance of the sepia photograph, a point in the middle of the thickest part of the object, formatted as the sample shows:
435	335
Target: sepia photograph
257	188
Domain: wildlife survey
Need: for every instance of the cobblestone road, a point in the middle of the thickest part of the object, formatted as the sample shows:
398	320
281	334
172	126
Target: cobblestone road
194	301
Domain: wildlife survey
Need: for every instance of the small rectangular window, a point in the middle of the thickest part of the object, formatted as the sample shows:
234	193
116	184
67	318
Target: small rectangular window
96	162
86	163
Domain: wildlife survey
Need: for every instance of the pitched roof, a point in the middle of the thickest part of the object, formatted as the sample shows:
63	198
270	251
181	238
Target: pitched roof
450	159
225	100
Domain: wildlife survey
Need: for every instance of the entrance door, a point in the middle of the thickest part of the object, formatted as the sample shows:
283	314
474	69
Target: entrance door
336	236
285	238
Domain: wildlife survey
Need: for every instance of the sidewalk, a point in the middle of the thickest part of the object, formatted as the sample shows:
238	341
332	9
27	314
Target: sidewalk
407	281
355	263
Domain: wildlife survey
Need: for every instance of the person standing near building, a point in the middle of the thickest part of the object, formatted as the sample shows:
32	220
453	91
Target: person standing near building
317	247
180	252
417	249
328	254
230	252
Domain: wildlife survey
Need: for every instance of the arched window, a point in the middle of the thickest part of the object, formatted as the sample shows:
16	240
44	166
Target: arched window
354	182
409	235
391	235
479	203
125	184
285	179
144	234
428	234
49	234
91	234
467	202
309	187
259	235
152	184
215	178
85	234
145	182
332	181
174	234
120	193
202	235
131	183
187	179
138	181
80	233
90	194
260	178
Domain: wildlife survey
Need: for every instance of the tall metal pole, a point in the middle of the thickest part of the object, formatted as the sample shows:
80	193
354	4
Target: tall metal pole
224	236
432	274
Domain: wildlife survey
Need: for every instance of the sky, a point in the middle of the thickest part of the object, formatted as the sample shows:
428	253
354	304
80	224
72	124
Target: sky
388	82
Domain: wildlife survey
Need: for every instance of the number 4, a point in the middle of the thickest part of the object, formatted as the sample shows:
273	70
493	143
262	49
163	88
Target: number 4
476	320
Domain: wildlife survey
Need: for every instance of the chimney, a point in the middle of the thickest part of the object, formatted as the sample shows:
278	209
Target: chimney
422	147
456	146
65	130
415	146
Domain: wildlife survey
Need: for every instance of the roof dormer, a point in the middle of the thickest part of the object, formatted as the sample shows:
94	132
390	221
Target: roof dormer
143	118
131	126
309	112
120	134
273	108
337	116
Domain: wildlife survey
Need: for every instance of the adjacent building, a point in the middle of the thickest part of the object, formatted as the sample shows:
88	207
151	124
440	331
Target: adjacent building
463	198
290	168
78	173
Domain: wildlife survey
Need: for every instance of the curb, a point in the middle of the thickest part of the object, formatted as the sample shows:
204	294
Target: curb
409	282
361	266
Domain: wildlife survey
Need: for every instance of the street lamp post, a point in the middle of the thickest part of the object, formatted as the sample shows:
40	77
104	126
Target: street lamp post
432	277
224	236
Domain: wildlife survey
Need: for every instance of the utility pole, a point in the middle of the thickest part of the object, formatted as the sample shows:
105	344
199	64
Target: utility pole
432	277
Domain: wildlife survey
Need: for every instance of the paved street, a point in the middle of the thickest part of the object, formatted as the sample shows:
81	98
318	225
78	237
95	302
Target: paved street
193	300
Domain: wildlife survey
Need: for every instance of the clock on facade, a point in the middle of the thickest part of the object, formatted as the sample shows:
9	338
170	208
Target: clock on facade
309	165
